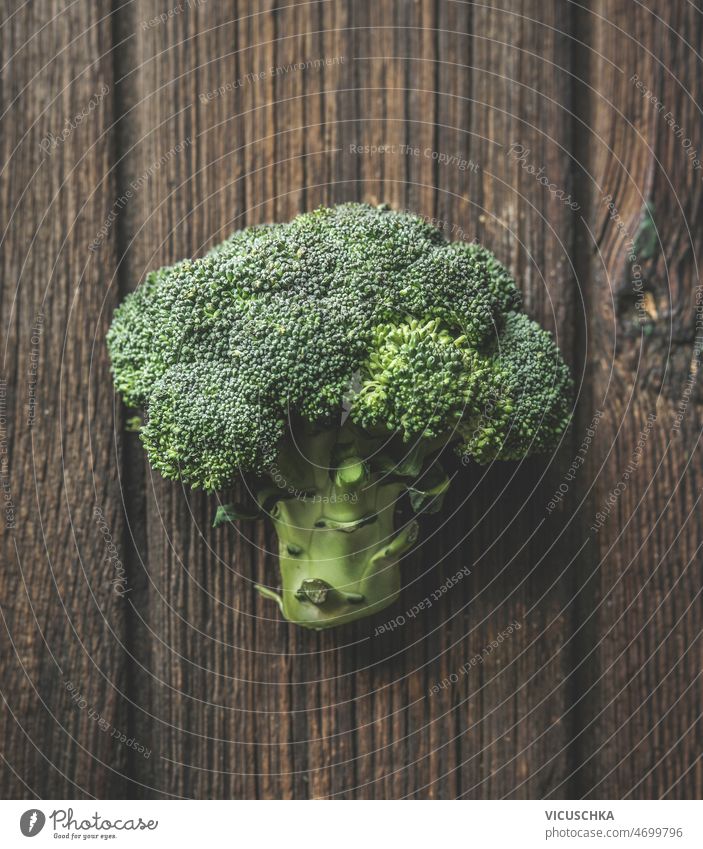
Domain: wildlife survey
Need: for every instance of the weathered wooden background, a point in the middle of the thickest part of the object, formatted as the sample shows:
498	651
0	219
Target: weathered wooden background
137	134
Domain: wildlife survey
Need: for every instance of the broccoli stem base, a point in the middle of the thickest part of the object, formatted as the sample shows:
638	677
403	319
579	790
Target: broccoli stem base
339	547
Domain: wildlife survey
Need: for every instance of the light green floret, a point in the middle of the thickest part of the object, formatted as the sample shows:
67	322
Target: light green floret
329	361
419	380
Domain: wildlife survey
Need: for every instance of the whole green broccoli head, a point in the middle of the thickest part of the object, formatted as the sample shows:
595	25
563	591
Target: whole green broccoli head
352	314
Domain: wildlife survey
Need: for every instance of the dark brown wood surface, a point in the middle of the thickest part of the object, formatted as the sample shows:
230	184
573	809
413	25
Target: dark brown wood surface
205	122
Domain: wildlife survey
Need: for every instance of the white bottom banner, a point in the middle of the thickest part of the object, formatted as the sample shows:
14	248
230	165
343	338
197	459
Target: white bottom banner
353	825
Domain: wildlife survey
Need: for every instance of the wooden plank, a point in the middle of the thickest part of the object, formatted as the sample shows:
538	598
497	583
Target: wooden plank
62	632
512	713
645	345
238	703
200	648
230	701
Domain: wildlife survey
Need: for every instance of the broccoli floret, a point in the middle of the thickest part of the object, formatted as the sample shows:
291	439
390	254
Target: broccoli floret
419	380
204	422
526	403
332	358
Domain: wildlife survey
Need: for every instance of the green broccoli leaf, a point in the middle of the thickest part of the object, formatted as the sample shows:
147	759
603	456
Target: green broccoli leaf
231	512
427	493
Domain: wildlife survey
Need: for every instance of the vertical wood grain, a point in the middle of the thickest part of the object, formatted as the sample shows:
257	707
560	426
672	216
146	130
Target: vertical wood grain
209	124
242	703
645	346
518	705
62	631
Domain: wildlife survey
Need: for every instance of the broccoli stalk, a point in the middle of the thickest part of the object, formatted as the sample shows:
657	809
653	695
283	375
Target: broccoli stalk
246	361
334	498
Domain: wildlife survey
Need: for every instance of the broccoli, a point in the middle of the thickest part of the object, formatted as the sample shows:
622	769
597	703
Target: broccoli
331	363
